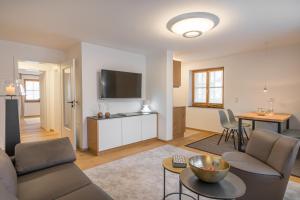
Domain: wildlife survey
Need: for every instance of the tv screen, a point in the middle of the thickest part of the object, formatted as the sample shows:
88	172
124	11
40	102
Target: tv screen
115	84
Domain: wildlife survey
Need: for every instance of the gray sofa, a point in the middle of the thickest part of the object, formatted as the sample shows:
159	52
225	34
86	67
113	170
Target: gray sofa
44	171
266	165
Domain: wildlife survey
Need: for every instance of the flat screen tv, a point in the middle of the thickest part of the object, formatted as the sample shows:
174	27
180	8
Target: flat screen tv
116	84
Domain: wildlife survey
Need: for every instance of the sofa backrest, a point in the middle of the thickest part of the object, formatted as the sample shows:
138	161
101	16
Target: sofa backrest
278	151
8	176
283	154
33	156
261	143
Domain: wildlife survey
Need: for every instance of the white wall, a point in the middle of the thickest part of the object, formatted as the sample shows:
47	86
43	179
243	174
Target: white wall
32	109
95	58
53	99
244	78
160	89
90	59
10	50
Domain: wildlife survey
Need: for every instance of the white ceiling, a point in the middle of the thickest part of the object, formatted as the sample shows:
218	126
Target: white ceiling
31	67
140	25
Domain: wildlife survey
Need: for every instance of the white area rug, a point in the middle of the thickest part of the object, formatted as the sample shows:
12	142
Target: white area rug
140	177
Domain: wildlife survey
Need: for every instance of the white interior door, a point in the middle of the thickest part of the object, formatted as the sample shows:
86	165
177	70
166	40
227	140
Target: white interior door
69	101
43	101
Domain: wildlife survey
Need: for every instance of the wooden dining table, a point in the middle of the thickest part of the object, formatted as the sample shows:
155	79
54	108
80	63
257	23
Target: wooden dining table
277	118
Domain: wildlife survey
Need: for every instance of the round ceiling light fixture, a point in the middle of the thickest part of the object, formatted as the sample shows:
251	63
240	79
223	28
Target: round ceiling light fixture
192	25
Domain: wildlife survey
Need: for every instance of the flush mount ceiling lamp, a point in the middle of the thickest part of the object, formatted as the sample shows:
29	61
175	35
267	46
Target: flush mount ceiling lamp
192	25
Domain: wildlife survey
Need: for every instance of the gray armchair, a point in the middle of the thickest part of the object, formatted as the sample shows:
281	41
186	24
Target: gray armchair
266	165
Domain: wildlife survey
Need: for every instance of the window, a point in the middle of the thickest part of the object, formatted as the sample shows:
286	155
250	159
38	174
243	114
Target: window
208	88
32	90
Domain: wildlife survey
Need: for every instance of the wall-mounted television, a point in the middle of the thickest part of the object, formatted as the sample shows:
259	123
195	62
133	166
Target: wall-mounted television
117	84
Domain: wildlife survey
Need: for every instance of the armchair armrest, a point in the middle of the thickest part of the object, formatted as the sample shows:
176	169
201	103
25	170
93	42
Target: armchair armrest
35	156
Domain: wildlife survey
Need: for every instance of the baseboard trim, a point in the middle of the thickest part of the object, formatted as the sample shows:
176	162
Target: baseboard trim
202	130
82	149
127	146
30	116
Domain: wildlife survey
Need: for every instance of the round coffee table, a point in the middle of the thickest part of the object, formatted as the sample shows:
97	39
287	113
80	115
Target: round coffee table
167	165
231	187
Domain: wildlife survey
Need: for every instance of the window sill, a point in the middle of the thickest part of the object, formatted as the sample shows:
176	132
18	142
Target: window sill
208	107
28	101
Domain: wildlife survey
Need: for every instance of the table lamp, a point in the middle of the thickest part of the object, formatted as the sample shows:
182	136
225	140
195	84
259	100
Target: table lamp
10	90
146	107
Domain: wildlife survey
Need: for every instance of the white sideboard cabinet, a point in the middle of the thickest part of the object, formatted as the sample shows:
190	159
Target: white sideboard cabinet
119	130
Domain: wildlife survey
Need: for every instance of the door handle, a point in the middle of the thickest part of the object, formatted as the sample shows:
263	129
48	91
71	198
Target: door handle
72	103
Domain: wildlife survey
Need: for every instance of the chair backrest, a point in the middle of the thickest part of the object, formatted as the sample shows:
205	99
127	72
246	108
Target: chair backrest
223	118
231	116
276	150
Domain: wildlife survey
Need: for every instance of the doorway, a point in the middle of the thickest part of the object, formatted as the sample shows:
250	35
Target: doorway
39	106
69	102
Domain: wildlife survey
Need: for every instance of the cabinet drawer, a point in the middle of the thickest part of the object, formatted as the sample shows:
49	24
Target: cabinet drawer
131	130
149	126
178	122
110	134
176	74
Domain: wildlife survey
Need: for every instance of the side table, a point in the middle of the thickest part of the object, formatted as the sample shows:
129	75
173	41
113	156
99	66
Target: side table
231	187
168	166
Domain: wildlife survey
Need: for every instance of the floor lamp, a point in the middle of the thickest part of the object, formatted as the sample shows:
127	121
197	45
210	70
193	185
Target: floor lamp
12	126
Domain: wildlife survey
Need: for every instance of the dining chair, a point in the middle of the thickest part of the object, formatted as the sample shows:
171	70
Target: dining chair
235	123
228	128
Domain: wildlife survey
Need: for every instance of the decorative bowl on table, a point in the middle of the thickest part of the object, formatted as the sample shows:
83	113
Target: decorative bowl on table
209	169
261	113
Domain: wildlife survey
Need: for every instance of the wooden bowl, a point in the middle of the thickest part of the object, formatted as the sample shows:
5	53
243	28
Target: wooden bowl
107	115
209	169
100	115
261	113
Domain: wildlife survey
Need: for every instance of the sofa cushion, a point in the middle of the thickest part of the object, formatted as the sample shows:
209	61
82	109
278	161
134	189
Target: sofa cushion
5	195
51	183
261	143
248	163
8	176
283	154
40	155
90	191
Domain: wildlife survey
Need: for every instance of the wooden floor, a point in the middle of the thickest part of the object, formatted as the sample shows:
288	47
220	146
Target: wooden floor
31	131
87	160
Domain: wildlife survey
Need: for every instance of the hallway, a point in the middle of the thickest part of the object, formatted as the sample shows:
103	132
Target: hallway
31	130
